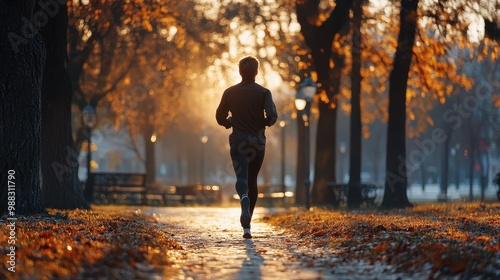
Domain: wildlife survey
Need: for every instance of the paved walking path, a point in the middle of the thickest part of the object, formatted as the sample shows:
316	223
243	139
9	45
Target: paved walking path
214	249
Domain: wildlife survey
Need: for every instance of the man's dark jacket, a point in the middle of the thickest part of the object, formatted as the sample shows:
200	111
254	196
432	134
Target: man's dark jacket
251	109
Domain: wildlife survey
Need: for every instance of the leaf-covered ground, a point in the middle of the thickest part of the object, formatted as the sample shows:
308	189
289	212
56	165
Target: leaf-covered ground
461	241
103	243
446	240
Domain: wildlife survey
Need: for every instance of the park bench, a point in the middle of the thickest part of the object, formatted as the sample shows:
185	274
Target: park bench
338	193
270	194
496	181
183	194
119	187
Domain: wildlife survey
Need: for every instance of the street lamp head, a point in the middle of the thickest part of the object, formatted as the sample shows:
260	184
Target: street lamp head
308	88
154	137
204	139
305	93
300	104
89	116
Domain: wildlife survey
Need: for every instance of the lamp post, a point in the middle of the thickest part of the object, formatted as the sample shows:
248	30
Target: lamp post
203	140
283	187
150	161
343	149
89	120
305	94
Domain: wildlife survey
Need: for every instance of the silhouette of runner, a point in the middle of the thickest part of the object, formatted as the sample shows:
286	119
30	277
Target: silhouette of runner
248	108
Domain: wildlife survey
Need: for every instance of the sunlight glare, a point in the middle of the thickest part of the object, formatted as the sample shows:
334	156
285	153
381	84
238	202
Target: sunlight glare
476	28
261	34
262	52
209	8
233	49
244	39
378	4
171	33
271	51
234	24
294	26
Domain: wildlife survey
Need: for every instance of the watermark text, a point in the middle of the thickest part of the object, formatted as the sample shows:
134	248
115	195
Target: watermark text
11	220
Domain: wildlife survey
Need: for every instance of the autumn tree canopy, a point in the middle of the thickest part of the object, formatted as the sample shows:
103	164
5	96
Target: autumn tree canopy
148	60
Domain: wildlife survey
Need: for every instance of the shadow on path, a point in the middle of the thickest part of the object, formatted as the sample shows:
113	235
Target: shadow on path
251	266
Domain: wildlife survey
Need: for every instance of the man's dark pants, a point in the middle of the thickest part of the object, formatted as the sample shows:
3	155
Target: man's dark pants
247	159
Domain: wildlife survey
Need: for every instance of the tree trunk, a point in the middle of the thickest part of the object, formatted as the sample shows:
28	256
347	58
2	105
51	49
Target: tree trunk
302	172
485	172
22	56
61	187
354	193
326	151
423	175
150	157
149	142
396	174
491	29
472	158
473	143
319	39
445	168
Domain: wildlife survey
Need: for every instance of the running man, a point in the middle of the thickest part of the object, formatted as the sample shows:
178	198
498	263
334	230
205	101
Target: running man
248	108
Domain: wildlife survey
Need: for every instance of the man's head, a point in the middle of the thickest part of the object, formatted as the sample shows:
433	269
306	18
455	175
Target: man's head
249	66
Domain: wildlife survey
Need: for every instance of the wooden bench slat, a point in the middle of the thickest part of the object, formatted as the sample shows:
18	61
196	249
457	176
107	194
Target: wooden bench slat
111	185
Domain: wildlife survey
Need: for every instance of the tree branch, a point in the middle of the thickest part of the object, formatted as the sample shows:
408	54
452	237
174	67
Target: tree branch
319	39
337	18
492	30
98	97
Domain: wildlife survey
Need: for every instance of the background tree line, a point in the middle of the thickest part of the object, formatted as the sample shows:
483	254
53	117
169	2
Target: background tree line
140	59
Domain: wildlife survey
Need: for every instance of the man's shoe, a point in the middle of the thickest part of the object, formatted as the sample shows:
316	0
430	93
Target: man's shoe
245	212
246	233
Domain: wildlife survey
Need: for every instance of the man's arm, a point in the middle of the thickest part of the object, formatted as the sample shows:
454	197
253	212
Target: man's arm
222	113
270	109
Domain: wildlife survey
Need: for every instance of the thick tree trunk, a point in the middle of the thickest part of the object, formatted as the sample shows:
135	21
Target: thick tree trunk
22	56
324	170
319	39
354	193
326	151
61	187
396	174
